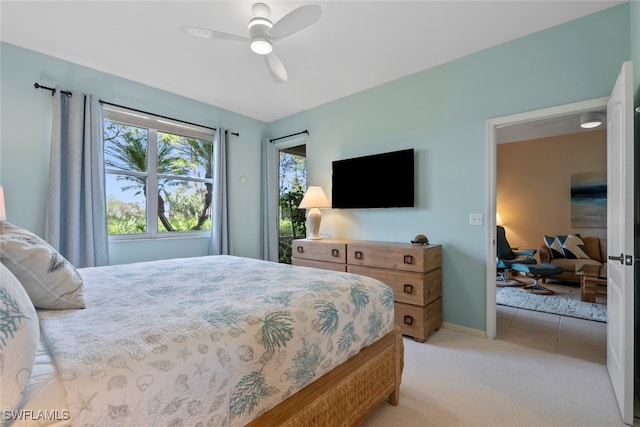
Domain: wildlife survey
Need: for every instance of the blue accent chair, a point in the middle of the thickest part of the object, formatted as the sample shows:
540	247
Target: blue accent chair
506	258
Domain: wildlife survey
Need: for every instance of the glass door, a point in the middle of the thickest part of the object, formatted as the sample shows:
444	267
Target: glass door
292	186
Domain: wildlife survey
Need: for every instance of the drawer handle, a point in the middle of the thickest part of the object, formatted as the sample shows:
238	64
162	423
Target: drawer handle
408	259
300	249
408	289
408	320
359	255
335	253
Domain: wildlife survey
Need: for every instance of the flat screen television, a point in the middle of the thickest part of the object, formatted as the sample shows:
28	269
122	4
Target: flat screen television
383	180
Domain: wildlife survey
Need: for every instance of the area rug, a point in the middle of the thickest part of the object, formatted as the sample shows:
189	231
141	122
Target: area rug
565	302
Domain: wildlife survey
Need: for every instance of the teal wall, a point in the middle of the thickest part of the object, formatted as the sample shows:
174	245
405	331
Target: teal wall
442	113
25	133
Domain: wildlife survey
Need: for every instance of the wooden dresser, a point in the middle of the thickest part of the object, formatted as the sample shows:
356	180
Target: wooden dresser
414	272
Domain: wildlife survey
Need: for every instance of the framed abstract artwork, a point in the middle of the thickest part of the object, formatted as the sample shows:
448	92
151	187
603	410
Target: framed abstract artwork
589	200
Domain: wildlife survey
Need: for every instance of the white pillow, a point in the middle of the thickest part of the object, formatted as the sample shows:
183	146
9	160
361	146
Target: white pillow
19	334
51	281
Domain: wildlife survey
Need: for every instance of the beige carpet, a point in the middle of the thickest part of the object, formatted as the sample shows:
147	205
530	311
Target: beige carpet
456	379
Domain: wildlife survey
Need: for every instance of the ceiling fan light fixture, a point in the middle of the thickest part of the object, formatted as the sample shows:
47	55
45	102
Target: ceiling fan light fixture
590	120
261	46
261	9
260	20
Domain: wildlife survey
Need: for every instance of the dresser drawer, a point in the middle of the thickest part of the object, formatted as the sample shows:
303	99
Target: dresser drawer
397	256
418	322
334	266
320	250
410	288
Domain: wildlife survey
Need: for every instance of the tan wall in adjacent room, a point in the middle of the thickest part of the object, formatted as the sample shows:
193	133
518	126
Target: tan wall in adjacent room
533	190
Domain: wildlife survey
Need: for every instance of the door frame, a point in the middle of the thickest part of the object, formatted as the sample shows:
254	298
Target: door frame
292	141
492	148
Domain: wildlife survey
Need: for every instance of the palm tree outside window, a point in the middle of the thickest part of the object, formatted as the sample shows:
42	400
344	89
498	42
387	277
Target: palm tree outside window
159	175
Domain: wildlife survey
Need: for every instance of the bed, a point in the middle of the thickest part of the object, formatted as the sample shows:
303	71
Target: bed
214	340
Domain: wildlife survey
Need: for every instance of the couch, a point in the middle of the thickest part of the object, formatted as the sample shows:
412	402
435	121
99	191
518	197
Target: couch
594	247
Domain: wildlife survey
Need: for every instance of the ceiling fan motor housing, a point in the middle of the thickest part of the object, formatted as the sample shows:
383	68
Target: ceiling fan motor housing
259	26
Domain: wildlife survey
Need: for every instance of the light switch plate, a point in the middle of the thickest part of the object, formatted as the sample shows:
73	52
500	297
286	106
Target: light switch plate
476	219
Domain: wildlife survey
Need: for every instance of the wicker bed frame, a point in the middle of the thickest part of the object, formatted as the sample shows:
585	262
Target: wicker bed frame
348	394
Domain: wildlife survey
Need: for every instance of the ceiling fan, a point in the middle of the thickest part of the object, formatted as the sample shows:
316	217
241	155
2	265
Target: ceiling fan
263	33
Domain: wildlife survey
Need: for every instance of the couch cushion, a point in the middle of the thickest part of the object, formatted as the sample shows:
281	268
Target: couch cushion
569	265
592	247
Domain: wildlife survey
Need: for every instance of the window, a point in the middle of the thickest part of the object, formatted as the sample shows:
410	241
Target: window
158	175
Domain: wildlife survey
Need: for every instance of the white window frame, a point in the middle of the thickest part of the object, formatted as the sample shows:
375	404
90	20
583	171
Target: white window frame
154	124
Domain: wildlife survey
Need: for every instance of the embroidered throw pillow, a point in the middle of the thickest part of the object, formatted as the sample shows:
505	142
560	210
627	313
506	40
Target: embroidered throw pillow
554	245
19	334
573	247
49	279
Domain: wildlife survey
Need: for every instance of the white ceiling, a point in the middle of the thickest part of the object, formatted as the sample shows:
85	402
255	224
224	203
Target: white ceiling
356	45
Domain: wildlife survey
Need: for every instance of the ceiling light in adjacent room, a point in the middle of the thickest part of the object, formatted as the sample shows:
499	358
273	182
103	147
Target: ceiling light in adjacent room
590	119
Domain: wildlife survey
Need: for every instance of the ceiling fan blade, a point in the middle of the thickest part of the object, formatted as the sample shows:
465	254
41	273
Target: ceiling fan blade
213	34
295	21
276	68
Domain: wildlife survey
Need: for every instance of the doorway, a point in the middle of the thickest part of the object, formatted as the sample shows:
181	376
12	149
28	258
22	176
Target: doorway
621	215
292	184
552	183
493	127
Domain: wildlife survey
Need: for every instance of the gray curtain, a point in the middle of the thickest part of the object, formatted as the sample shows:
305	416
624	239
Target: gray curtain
76	220
219	243
269	202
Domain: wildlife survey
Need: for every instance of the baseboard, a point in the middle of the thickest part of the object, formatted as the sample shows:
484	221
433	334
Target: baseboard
464	330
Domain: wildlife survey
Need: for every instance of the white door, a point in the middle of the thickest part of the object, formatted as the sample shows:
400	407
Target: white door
620	236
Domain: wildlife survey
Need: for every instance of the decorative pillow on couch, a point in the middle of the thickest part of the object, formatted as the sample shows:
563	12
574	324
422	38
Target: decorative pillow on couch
50	280
568	246
19	334
574	248
554	245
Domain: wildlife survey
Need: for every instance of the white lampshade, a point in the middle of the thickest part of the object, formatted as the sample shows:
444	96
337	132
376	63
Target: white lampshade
314	199
3	213
499	219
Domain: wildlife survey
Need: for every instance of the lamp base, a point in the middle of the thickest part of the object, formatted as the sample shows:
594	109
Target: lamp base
313	224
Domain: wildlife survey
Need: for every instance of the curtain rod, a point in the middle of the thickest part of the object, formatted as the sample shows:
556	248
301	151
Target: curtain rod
293	134
69	94
53	90
164	117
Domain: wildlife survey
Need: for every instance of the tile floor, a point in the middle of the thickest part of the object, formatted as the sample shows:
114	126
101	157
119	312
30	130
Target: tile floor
582	339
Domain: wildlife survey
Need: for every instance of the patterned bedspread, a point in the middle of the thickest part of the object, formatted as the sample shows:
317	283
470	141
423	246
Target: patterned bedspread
208	341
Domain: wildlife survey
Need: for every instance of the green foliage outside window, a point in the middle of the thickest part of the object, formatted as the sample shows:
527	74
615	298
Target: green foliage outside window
293	184
182	167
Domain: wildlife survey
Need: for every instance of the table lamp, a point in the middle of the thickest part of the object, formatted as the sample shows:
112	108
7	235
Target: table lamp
314	200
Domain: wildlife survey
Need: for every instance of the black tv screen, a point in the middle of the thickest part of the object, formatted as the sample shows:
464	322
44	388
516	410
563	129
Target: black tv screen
378	181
